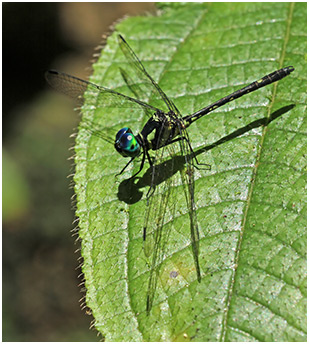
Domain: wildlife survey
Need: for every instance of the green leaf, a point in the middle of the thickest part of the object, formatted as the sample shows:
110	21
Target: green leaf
251	206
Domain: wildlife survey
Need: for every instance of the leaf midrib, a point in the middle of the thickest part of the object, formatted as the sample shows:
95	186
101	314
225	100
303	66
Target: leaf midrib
254	174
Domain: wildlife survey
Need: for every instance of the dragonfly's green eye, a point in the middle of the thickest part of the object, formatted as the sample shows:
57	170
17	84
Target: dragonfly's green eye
126	143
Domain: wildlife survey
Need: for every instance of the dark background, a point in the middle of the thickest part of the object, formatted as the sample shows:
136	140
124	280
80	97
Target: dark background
41	289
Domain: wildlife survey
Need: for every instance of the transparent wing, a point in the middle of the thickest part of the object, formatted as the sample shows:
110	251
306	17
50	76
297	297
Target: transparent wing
135	88
100	96
143	75
160	212
106	134
161	207
187	176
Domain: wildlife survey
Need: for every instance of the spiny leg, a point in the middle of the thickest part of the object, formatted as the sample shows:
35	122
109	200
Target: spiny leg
140	168
208	167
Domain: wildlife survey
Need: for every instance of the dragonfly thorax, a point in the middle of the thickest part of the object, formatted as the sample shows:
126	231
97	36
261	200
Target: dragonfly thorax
126	143
163	127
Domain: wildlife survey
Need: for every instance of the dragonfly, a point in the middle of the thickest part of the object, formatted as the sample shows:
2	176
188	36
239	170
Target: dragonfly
164	128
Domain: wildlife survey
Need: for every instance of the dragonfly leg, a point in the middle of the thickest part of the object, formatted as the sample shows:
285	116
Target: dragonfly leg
208	167
118	174
152	186
149	158
140	168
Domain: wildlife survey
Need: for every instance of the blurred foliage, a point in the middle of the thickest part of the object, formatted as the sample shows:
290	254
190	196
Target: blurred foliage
40	279
15	191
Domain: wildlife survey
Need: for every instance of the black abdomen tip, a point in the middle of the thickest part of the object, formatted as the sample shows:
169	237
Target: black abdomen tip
289	69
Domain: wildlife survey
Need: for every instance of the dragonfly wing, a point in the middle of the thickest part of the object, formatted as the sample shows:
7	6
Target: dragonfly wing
97	97
143	75
106	134
160	212
187	176
100	96
161	207
134	88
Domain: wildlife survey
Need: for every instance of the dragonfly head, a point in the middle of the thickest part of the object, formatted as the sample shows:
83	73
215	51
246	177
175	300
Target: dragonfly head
126	143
